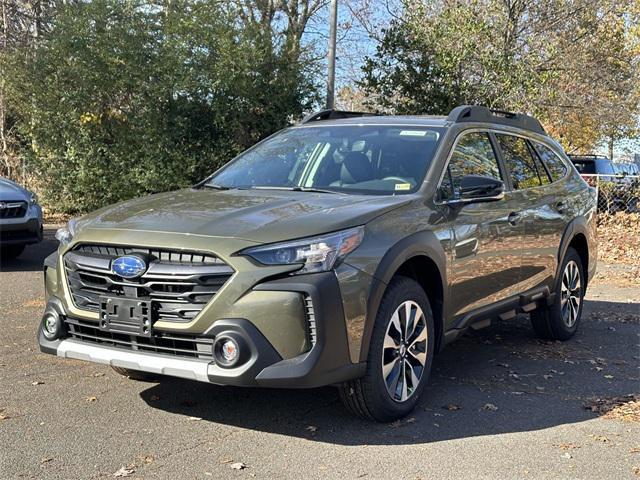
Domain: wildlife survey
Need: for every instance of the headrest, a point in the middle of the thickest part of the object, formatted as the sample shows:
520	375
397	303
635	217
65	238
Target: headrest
356	168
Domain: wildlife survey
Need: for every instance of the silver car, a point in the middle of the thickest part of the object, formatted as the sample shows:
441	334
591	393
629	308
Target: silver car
20	219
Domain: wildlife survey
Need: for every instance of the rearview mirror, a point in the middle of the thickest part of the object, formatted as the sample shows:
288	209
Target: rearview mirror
478	188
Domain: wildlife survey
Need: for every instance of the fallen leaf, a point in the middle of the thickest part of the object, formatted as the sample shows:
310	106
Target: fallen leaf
91	399
238	466
46	460
124	472
37	382
452	407
411	420
634	450
567	446
312	428
98	374
489	406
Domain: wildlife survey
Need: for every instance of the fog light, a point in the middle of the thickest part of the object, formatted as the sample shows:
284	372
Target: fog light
52	325
229	350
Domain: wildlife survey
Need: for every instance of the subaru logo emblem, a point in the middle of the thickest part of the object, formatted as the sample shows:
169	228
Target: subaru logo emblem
129	266
3	205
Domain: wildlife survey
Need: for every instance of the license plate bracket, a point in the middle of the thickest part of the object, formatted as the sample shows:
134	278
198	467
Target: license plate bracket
126	315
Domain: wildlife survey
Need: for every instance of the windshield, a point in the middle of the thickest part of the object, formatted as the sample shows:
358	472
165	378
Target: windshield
371	159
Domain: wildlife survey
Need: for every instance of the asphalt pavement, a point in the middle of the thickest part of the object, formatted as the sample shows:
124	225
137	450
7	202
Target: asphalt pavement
500	405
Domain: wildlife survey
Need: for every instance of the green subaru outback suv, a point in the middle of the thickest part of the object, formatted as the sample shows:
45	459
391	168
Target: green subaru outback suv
346	250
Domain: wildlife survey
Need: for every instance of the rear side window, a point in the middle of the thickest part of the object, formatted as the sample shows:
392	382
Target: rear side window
519	162
586	167
473	155
556	166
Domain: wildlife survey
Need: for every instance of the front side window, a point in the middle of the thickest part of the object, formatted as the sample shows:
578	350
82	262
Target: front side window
473	155
556	166
369	159
519	162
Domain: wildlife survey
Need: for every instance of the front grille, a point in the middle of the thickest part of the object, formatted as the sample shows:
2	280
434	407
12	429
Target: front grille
311	321
13	209
160	342
178	284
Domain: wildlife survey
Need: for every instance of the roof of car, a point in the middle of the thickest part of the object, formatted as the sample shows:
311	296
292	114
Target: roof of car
418	120
461	114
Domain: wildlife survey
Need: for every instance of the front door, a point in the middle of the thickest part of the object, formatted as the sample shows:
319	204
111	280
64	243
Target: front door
486	246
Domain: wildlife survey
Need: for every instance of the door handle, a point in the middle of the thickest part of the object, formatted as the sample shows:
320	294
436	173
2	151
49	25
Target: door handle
514	218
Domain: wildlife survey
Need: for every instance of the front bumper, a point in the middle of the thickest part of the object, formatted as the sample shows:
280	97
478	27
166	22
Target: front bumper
326	362
23	230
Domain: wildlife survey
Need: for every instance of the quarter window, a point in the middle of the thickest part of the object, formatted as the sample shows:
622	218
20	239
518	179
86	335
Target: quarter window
473	155
557	168
519	162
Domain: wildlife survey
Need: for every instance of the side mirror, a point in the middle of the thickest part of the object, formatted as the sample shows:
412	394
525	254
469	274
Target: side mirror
477	188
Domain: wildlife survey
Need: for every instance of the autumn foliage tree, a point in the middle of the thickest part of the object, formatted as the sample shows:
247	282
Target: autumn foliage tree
573	63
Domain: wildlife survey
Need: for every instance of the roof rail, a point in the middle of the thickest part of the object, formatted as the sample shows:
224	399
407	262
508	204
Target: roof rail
477	113
334	115
587	155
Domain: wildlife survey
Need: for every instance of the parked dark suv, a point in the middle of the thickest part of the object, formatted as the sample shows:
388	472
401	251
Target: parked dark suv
594	165
345	251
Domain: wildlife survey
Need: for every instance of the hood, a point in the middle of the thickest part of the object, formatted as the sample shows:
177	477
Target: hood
261	216
11	191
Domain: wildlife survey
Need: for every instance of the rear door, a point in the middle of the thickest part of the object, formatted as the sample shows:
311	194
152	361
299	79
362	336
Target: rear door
486	248
543	208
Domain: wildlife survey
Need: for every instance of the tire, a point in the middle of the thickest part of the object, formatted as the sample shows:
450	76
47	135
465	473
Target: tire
370	397
560	320
8	252
136	374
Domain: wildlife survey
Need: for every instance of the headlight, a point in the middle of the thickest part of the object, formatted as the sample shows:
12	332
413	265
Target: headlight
33	199
66	234
315	254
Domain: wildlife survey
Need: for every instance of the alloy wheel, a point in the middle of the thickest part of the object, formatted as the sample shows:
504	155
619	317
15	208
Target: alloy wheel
571	294
404	352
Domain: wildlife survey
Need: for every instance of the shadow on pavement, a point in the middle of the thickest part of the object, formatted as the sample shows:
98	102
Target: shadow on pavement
498	380
32	258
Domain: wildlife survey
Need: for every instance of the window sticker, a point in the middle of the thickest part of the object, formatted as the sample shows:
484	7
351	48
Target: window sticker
403	186
413	133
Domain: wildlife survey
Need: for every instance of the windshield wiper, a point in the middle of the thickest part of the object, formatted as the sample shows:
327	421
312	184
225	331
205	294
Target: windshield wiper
294	189
215	187
313	189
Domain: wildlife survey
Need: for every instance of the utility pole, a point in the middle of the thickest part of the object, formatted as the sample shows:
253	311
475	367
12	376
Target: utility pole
331	57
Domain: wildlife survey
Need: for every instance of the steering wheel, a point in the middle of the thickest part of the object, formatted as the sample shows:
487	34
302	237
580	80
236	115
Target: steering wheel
397	179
